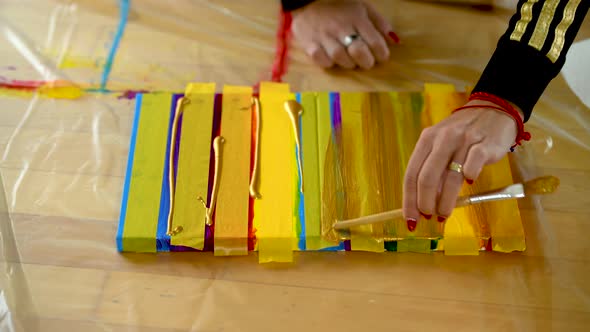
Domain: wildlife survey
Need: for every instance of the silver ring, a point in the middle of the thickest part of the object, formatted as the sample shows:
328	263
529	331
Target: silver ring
456	167
350	39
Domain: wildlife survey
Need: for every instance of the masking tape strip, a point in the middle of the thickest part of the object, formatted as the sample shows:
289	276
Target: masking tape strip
231	219
193	166
504	218
273	213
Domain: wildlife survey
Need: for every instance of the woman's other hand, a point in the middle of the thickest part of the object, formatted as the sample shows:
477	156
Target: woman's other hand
322	27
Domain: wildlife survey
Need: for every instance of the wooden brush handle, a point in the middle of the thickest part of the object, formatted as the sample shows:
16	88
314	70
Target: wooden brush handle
372	219
385	216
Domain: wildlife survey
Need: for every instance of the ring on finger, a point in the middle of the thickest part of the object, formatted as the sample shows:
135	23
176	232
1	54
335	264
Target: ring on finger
456	167
348	40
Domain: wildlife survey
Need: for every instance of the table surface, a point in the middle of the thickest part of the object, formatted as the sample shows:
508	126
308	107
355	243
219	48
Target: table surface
63	166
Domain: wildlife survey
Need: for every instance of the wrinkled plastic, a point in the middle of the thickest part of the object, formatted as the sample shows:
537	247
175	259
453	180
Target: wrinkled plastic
63	163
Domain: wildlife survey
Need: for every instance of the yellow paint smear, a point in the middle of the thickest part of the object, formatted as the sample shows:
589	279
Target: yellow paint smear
359	201
231	219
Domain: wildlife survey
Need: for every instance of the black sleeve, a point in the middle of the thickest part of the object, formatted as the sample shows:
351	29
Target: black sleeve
290	5
532	51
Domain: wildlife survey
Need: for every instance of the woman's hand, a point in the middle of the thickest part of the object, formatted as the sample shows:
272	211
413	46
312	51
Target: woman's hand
472	138
322	27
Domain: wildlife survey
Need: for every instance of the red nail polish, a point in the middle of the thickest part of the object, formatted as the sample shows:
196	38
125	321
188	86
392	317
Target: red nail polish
469	181
441	218
411	224
394	37
426	216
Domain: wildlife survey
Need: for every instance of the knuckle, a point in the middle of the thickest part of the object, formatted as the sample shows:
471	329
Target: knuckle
340	54
447	134
426	181
377	46
497	155
331	27
479	152
357	52
427	134
368	64
318	56
316	53
471	136
410	181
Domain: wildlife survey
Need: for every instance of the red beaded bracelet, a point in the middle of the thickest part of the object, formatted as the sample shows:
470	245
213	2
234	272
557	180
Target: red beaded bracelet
503	106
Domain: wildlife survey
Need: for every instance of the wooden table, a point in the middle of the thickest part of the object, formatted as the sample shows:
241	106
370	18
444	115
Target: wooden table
63	166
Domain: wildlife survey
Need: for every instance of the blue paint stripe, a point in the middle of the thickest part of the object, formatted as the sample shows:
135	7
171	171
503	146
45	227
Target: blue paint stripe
339	247
302	234
163	239
123	215
124	10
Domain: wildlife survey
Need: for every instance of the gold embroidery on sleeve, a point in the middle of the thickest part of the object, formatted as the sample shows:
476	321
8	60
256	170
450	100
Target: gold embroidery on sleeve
526	15
543	23
569	14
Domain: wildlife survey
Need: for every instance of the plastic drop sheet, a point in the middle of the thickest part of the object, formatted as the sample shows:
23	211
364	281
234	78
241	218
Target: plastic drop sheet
63	154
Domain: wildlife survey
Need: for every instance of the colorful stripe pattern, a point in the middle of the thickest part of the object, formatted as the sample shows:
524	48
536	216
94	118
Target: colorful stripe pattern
354	147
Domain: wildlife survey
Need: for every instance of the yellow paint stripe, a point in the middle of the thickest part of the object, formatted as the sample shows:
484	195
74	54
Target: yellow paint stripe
273	213
526	15
316	130
569	14
543	23
193	166
231	219
143	205
356	184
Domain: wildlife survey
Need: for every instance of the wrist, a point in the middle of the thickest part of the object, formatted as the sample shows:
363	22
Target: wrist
483	100
492	104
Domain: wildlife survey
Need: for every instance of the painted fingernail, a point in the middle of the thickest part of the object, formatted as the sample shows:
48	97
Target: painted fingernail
426	216
411	224
394	37
441	218
469	181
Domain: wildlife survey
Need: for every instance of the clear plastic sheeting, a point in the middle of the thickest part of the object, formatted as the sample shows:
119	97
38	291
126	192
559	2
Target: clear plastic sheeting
63	153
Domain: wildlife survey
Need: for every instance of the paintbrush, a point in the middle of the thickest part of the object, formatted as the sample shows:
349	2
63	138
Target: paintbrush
538	186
